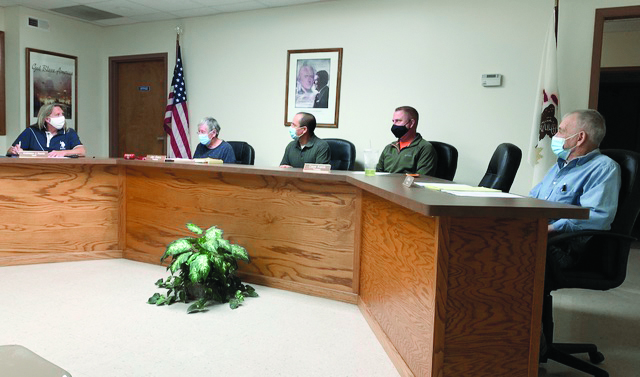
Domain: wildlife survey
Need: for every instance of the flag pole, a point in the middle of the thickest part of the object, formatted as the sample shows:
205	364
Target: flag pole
555	10
178	32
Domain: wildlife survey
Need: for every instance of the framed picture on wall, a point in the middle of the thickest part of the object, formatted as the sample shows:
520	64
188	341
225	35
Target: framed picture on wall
3	103
52	78
313	85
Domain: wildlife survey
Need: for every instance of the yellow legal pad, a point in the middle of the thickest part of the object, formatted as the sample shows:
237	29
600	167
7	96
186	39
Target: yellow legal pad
207	160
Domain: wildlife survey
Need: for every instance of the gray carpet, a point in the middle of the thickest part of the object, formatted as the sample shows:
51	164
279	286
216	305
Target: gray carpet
610	319
91	318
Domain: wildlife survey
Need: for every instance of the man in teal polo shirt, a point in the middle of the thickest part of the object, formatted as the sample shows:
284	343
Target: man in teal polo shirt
306	147
411	153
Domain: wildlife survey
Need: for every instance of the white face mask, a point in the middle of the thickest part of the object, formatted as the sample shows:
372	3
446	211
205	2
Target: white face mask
57	122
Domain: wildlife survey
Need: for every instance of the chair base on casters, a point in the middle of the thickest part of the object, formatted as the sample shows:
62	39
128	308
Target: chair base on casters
562	353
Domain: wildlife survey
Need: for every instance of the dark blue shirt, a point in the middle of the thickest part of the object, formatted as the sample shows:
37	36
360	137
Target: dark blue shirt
35	139
223	152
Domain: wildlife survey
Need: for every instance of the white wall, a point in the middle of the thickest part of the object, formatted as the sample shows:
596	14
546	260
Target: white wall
621	49
428	54
65	36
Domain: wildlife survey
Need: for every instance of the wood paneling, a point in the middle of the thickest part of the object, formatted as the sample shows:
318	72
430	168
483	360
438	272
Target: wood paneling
398	276
455	296
299	231
447	295
58	212
491	291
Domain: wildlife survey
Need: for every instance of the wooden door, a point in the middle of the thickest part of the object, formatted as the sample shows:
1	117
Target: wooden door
137	105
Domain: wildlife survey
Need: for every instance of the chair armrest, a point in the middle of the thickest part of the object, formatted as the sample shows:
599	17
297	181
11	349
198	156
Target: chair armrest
585	233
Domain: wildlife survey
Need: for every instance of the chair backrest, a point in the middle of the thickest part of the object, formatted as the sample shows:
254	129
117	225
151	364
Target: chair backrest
244	152
629	197
604	263
447	160
502	168
343	154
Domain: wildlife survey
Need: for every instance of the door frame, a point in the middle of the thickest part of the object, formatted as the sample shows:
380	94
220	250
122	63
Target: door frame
602	15
114	64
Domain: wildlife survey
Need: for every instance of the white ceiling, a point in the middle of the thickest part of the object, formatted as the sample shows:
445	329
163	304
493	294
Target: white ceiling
133	11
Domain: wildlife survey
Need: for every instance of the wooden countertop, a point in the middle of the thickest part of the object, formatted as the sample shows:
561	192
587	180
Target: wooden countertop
421	200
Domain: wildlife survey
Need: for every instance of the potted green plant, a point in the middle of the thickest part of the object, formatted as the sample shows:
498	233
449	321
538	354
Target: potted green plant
203	269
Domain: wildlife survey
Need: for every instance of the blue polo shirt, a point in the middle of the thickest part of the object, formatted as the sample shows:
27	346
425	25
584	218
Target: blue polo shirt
35	139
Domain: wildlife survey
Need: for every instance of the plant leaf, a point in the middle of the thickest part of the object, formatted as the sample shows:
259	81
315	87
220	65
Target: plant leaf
234	303
224	244
217	262
161	300
240	252
176	247
194	228
197	306
209	244
199	268
153	299
159	282
177	263
250	291
213	233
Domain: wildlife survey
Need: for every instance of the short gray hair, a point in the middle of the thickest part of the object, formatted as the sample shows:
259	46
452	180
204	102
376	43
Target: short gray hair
591	122
212	124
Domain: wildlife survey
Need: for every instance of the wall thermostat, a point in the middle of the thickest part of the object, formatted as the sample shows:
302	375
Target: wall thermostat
492	79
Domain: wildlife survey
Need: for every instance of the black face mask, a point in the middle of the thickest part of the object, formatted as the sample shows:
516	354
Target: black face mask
399	131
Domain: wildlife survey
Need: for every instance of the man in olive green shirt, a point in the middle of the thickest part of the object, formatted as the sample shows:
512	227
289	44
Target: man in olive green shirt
306	147
411	153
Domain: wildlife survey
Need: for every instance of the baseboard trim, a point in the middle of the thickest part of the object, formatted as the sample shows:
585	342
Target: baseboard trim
384	340
44	257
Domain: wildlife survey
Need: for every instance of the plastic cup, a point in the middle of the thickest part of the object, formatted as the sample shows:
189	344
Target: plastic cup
370	162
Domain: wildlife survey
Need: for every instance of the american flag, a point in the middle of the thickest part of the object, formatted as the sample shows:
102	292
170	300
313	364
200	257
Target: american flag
176	118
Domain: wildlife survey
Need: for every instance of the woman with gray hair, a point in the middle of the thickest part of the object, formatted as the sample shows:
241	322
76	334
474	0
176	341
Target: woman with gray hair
210	143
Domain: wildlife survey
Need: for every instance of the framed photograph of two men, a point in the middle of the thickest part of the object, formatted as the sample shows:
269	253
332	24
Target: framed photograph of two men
52	78
313	85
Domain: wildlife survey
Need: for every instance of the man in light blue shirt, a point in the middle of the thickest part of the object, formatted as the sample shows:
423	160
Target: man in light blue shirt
582	176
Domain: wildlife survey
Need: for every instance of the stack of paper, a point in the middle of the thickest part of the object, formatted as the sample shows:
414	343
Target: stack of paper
207	160
466	190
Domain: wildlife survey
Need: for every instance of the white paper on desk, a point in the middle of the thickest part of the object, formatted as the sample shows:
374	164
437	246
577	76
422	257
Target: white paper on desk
441	186
483	194
454	187
377	173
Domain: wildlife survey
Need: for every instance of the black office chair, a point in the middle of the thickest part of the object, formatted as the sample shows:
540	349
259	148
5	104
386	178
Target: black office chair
502	168
244	152
447	160
343	154
603	265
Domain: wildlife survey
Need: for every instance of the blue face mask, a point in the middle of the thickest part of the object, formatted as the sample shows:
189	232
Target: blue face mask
292	132
557	146
204	139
